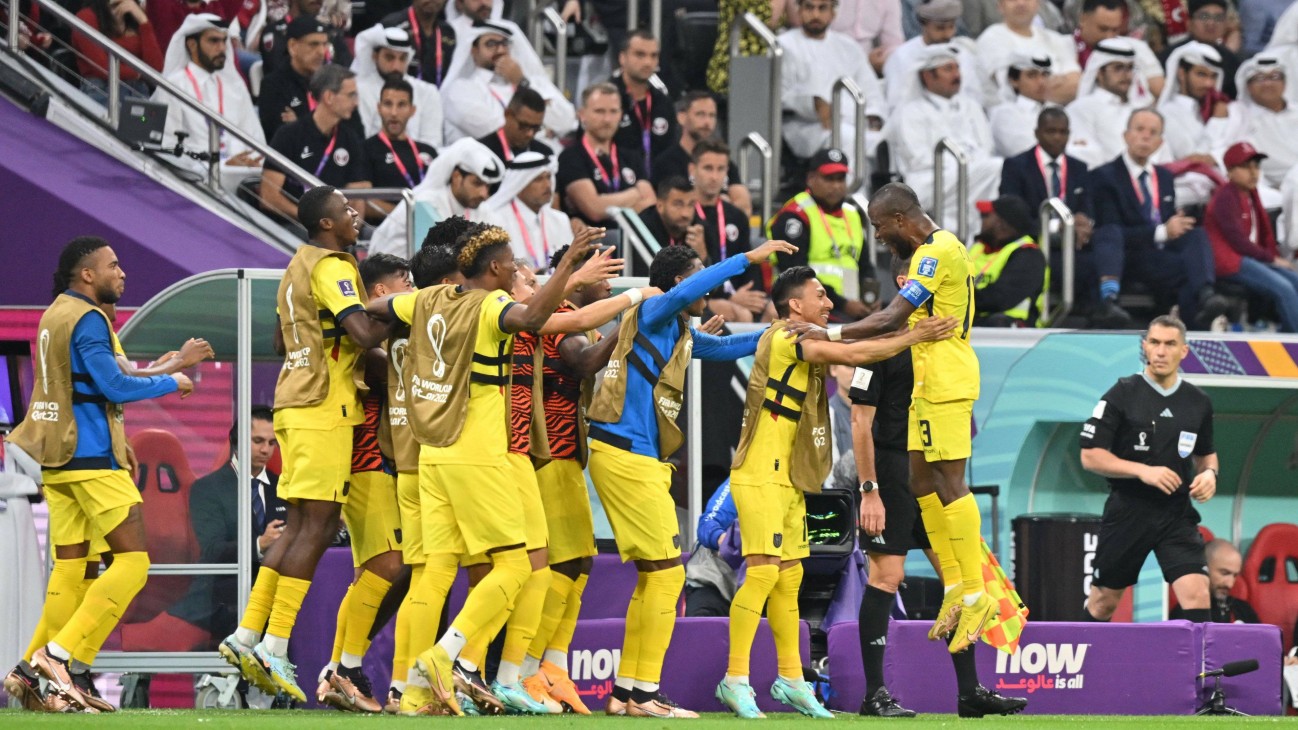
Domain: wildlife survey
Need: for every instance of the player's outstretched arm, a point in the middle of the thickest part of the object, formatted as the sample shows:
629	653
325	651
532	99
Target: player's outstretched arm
864	352
889	319
692	288
600	267
598	314
531	317
583	358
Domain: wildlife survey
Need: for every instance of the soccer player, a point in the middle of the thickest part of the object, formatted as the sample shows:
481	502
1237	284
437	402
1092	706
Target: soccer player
785	449
323	331
74	430
633	432
940	284
891	527
456	373
372	518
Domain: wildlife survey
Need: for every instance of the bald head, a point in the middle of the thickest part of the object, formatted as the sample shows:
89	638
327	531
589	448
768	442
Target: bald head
1224	565
893	199
898	219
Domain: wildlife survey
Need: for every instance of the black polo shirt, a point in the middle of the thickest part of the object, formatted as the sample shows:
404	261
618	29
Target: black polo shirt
274	46
381	169
887	386
304	144
423	62
734	227
658	113
283	89
576	164
676	161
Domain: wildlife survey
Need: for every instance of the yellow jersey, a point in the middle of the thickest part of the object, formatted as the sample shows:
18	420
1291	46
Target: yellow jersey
940	284
335	284
767	460
484	440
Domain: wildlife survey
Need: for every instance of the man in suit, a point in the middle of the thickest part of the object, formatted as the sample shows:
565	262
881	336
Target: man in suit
1140	234
212	601
1046	172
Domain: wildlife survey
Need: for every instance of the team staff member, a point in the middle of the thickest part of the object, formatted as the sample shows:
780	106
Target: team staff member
785	449
941	413
648	123
597	173
274	43
890	520
829	236
286	93
74	430
393	159
317	404
1151	437
1224	564
469	502
633	432
725	234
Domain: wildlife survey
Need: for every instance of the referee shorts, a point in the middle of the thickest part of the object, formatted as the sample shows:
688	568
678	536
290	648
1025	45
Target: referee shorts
317	463
523	477
469	509
87	509
412	523
943	431
772	520
372	515
567	510
903	527
1131	528
635	491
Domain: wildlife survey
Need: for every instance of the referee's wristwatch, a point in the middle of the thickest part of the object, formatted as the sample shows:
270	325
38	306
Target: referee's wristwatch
868	486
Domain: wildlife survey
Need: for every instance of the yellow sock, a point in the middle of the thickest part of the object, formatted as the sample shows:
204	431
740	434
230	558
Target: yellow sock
782	615
964	523
552	612
366	595
662	593
289	595
428	597
260	601
106	600
340	626
525	620
935	526
495	594
562	637
63	594
629	665
474	653
401	638
88	650
746	614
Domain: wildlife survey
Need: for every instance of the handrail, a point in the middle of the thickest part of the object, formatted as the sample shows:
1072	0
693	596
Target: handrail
1051	208
948	145
655	17
636	236
776	54
117	55
405	194
759	143
871	243
848	84
546	15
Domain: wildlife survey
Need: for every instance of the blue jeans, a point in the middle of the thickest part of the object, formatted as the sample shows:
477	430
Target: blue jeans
1278	285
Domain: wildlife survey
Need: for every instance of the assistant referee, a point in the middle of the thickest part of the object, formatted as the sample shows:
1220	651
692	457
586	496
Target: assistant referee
1151	437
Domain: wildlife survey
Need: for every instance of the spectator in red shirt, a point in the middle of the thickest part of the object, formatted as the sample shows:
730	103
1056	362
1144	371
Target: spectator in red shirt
1243	246
125	23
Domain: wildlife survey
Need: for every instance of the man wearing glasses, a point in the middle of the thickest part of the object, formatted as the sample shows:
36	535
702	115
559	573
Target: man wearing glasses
1208	25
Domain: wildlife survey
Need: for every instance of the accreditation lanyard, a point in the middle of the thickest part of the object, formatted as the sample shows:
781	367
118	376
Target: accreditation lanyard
538	262
615	180
830	232
1045	171
220	91
329	150
504	145
419	46
396	159
646	122
721	225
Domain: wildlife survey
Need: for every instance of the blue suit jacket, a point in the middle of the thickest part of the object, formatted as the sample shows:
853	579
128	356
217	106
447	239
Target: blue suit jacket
1116	202
1021	176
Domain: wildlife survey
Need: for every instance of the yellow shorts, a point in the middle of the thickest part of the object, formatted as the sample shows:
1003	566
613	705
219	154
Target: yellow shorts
636	493
943	431
317	464
86	510
469	509
412	523
372	516
567	510
523	476
772	520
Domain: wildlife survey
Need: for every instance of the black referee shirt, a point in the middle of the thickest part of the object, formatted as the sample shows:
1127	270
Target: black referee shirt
887	386
655	111
575	164
382	171
1137	421
304	144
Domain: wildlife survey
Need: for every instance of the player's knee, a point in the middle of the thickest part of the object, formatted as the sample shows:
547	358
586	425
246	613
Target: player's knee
387	565
133	567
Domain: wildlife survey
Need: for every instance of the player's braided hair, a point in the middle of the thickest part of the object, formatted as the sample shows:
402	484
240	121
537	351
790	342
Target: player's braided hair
70	260
476	245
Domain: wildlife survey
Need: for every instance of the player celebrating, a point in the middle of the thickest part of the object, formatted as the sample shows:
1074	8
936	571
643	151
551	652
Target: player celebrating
785	449
940	284
322	331
633	431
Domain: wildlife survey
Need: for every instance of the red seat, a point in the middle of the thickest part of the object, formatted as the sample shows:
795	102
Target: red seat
1271	569
165	633
164	480
1172	603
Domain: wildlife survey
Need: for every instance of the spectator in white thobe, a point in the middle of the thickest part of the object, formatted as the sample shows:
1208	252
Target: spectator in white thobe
382	52
1019	32
1023	89
937	25
522	204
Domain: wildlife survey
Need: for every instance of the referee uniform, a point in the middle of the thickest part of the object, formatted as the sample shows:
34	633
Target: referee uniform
1139	421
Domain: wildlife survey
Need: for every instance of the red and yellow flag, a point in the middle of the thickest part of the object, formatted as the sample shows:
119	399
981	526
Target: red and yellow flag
1003	630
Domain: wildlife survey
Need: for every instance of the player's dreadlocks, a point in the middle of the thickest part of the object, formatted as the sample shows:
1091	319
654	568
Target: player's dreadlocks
475	247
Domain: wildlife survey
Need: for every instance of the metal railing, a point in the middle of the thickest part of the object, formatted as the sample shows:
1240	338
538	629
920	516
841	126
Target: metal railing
946	145
638	242
1055	208
848	85
754	24
755	141
536	22
655	17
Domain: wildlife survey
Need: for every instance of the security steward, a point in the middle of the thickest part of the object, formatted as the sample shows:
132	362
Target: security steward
1012	271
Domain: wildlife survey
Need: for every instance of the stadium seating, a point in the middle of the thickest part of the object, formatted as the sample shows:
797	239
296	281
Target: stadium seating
164	480
1271	570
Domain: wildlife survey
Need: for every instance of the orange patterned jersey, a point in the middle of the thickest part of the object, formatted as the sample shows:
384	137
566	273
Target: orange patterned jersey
562	397
520	394
366	455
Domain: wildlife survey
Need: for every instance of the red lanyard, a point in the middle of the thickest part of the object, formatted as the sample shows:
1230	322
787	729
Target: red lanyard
504	145
418	38
539	262
220	91
614	181
721	225
1153	187
396	159
327	152
829	232
645	123
1045	172
503	103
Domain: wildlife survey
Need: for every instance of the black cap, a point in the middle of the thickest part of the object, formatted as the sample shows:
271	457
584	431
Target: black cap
301	27
1013	210
1195	6
829	161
